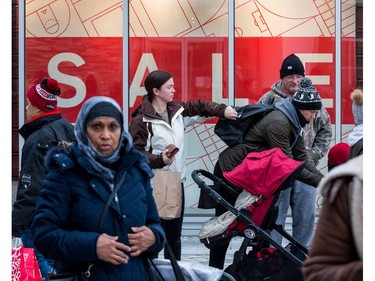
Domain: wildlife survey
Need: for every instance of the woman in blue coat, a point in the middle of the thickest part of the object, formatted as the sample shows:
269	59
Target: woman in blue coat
75	192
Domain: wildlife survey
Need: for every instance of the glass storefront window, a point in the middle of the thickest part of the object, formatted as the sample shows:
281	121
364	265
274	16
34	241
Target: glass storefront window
80	44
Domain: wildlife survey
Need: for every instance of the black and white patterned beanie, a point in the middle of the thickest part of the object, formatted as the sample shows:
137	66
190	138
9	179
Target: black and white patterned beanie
307	97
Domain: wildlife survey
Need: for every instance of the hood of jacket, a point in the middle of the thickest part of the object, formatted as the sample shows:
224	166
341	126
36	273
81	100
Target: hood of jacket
276	87
286	107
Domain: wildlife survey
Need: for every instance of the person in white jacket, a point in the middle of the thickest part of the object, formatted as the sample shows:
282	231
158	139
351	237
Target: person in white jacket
160	121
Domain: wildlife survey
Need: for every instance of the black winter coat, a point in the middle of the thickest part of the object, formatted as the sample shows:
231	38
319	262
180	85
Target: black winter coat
40	135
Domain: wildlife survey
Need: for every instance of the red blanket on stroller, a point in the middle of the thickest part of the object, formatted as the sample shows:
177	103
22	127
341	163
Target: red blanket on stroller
261	174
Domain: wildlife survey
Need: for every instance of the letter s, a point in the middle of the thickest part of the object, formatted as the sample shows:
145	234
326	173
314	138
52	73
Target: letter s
73	81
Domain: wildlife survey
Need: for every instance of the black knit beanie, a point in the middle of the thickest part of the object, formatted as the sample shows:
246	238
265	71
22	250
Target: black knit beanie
292	65
104	109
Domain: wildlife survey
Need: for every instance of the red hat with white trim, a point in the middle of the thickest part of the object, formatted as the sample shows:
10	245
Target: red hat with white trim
44	95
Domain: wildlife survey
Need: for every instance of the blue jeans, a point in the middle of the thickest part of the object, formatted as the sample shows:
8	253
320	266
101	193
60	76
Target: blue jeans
45	265
301	198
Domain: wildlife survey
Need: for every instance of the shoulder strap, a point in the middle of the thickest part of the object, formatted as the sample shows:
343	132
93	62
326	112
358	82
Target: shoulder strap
109	201
176	268
87	273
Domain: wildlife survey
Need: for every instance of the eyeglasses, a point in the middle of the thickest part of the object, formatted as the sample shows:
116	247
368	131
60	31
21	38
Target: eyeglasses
293	77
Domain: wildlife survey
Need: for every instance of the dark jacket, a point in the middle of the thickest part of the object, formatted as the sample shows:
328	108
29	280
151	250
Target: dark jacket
40	135
280	128
71	204
317	134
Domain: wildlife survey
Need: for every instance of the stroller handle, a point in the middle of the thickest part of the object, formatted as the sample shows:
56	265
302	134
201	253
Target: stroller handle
196	177
214	195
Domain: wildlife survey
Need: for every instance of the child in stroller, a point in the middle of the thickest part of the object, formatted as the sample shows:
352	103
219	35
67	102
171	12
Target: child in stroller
259	178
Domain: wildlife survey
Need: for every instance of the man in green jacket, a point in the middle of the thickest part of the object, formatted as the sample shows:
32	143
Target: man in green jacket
281	128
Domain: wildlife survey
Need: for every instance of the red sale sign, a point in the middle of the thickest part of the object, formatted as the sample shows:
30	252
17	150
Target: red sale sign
87	67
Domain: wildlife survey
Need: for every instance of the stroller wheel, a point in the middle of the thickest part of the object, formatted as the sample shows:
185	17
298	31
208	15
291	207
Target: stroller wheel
250	232
227	277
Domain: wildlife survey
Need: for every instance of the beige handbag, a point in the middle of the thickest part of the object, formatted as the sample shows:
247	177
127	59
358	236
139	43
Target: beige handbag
167	192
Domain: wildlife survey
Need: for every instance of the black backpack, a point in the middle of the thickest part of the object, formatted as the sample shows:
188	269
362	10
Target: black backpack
232	132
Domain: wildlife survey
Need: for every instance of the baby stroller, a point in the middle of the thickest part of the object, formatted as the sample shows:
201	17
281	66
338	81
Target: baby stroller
261	177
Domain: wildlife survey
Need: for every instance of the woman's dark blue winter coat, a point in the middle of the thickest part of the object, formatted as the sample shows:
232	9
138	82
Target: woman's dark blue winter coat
71	203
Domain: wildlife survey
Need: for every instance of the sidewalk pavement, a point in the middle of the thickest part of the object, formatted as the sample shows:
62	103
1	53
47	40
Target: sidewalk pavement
195	251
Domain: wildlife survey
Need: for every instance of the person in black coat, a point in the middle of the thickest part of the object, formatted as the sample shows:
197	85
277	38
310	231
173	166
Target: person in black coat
44	129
